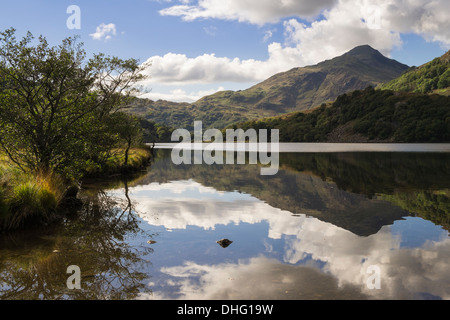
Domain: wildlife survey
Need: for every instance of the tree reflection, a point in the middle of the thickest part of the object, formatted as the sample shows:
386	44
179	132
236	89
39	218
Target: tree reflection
94	239
351	192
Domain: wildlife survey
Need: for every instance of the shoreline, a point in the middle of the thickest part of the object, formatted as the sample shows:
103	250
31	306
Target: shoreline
29	201
319	147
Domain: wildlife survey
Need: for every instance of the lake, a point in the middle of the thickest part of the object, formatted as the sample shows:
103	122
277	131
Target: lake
337	221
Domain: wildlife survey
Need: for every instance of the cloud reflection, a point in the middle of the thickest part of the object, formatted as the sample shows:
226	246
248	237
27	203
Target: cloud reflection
344	258
258	278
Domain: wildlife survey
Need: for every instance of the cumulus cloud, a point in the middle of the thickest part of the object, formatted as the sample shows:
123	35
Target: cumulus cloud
344	24
104	32
181	95
179	69
343	28
265	11
429	18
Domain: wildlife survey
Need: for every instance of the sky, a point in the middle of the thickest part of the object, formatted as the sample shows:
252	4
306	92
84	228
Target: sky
198	47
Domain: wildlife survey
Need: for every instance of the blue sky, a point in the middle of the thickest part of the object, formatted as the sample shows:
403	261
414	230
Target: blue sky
199	47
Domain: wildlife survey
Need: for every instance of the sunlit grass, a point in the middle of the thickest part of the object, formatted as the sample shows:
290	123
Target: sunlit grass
115	163
28	198
33	198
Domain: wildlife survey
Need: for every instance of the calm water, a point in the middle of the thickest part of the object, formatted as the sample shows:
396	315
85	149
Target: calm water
333	223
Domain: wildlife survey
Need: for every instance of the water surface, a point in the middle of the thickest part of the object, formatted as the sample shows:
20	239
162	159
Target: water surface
313	231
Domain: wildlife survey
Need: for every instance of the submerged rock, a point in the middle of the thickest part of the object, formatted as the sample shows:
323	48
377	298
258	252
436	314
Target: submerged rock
224	243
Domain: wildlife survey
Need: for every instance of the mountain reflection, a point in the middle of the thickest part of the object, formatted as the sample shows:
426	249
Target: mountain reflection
360	192
310	232
341	258
336	213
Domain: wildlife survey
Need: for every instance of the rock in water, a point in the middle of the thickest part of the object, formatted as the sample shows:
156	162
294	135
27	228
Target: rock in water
224	243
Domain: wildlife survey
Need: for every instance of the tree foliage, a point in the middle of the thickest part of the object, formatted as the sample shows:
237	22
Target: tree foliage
378	115
424	79
57	106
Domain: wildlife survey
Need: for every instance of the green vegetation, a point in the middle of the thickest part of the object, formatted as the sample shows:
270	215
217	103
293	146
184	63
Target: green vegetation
57	111
120	161
35	199
434	75
153	132
34	263
166	115
28	199
61	118
432	206
367	115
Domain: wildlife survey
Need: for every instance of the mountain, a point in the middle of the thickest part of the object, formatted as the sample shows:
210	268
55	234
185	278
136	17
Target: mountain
307	87
415	107
433	76
295	90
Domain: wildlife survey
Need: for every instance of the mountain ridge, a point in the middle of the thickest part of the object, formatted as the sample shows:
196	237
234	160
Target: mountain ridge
414	107
297	89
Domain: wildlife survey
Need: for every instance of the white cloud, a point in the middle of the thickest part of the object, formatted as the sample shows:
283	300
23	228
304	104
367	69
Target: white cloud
104	32
428	18
343	28
344	24
178	69
262	12
180	95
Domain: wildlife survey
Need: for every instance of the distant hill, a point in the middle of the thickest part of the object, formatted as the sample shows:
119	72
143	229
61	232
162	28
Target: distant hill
366	116
433	76
295	90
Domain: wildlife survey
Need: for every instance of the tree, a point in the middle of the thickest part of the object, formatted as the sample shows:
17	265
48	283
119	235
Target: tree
129	131
54	104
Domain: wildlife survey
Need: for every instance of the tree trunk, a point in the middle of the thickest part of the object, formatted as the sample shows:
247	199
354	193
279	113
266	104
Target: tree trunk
127	150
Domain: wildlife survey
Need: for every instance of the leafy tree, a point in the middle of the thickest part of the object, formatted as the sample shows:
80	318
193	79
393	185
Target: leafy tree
54	103
129	131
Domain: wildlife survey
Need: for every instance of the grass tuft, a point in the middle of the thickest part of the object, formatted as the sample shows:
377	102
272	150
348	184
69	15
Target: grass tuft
27	199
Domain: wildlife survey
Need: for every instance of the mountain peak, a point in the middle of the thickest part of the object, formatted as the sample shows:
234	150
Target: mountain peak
367	54
363	49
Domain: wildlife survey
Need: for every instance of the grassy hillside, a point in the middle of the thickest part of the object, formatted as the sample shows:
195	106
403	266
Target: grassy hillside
308	87
295	90
432	76
367	116
182	115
